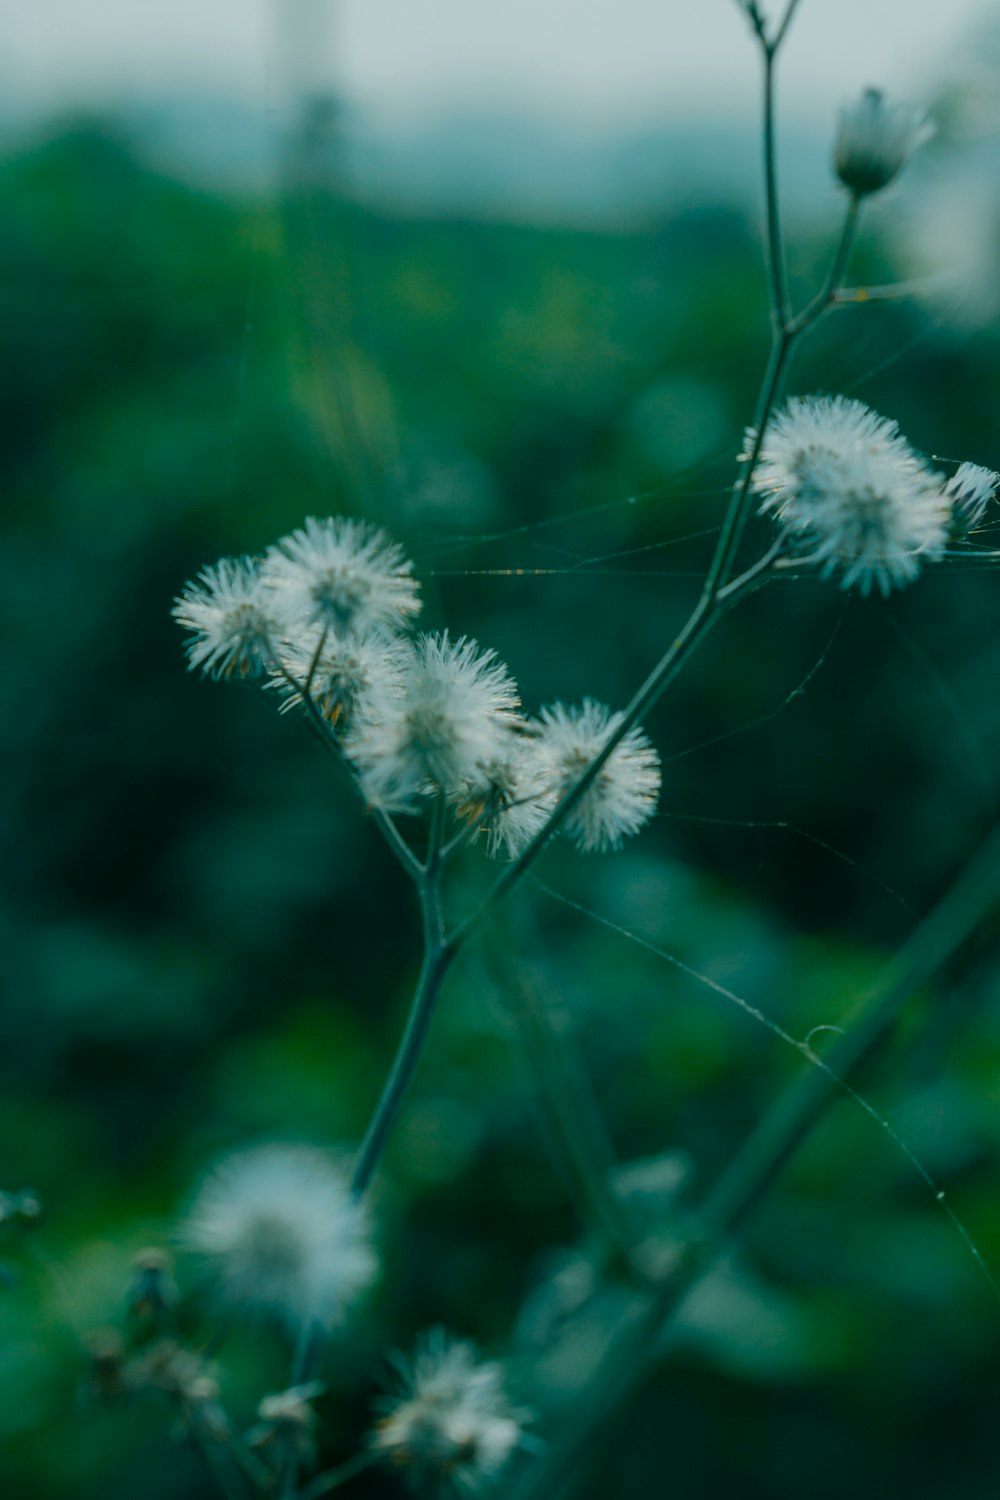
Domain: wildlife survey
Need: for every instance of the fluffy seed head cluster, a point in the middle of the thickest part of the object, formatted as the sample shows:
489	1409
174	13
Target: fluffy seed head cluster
278	1233
325	617
342	575
335	580
622	796
875	140
970	489
233	624
850	493
440	732
450	1422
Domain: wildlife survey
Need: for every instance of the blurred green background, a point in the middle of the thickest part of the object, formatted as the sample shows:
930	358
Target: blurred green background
205	944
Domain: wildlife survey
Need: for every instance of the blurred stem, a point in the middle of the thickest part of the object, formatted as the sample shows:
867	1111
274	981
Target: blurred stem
324	1484
742	1188
570	1114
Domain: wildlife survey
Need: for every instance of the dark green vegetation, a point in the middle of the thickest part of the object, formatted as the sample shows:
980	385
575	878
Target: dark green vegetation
205	943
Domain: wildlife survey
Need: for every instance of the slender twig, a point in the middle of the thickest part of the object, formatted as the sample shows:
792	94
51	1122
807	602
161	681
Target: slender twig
324	1484
438	956
328	738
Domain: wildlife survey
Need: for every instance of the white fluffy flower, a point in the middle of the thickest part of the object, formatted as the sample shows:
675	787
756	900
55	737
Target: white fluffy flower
850	492
622	796
451	1420
515	794
343	575
350	671
441	731
278	1232
875	140
970	490
228	611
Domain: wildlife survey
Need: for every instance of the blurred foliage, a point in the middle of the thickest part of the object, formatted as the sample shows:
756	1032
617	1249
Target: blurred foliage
205	943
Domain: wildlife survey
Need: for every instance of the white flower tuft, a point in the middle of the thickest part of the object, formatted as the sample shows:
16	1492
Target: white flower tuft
515	796
343	575
970	490
228	611
875	140
623	795
278	1232
850	492
441	732
451	1421
350	671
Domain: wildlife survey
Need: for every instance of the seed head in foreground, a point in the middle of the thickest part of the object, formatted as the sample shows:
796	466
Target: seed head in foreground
343	575
849	492
447	726
623	795
451	1421
875	140
228	610
278	1233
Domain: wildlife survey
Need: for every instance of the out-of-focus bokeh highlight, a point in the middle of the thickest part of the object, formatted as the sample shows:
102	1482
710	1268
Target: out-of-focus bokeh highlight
302	263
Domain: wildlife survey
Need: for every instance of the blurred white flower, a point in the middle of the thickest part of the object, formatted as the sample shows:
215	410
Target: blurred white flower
349	671
228	611
278	1232
850	493
875	140
451	1420
441	732
342	574
970	490
622	796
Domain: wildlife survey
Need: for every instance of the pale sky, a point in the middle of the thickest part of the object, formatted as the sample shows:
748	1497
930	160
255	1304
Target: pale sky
610	61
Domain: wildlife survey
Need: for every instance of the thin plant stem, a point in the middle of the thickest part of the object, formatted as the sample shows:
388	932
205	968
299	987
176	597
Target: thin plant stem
437	960
382	820
744	1185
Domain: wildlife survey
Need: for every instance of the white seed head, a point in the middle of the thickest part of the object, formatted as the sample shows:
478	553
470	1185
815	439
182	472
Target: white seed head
348	672
970	490
875	140
515	795
451	1421
623	795
228	610
850	493
441	731
278	1233
342	574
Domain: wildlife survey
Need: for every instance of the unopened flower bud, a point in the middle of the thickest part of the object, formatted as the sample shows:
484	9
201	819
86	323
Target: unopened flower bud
875	140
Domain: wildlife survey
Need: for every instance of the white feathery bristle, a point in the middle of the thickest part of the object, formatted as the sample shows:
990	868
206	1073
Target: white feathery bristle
850	493
515	796
228	610
343	575
623	795
343	672
278	1232
441	732
451	1420
970	490
875	140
